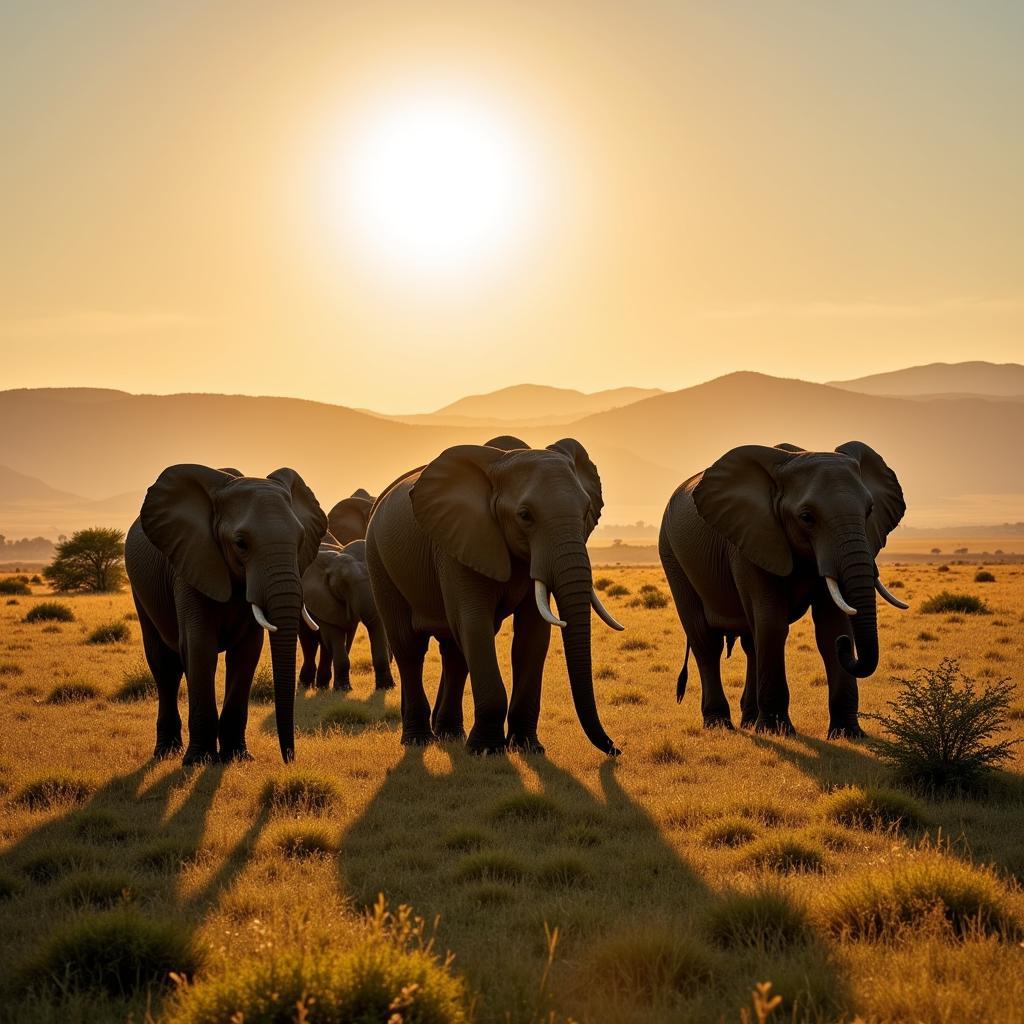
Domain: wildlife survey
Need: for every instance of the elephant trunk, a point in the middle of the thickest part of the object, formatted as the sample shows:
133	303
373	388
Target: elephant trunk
857	581
283	607
572	584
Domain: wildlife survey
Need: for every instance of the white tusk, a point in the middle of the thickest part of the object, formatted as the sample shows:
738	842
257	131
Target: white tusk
894	601
837	596
257	612
603	613
310	621
540	592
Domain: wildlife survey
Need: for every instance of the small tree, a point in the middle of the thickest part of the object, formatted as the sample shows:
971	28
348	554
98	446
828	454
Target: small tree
92	561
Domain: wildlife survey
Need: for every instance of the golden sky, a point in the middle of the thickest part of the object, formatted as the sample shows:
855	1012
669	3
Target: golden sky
390	205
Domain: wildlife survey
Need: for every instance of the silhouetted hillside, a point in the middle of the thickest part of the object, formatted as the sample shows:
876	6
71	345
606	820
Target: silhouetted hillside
943	380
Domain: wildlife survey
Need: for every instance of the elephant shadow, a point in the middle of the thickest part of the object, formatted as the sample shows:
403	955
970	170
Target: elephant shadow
498	850
310	706
132	842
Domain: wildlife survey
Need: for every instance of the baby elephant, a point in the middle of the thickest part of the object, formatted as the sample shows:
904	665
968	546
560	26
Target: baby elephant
336	591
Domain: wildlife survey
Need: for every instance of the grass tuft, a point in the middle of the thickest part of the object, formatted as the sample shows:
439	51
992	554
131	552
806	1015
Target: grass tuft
630	697
963	604
262	691
116	632
490	866
563	872
617	590
984	576
873	806
302	840
12	586
645	966
72	693
649	597
466	840
766	919
525	807
784	853
50	611
136	684
56	860
94	889
666	752
300	792
54	790
731	831
349	715
118	952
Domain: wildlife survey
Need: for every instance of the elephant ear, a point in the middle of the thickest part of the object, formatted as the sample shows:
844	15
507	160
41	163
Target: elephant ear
231	471
453	503
317	593
307	510
177	517
785	446
362	492
507	443
587	473
347	520
736	496
885	489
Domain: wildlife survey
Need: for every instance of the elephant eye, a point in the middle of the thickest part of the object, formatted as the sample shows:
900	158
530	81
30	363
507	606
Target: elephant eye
525	515
241	543
805	517
871	508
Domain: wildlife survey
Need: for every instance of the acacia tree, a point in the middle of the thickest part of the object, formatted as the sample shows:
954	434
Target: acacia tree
91	560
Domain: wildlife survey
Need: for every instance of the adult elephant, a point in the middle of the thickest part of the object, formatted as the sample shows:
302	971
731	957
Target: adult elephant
347	520
454	548
752	542
214	559
336	590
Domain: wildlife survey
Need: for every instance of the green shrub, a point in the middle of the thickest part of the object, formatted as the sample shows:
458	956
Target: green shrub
965	604
984	576
942	727
765	920
50	611
617	590
871	806
644	966
72	693
51	790
649	597
119	952
391	976
603	582
301	840
111	633
883	901
300	791
136	684
11	587
90	560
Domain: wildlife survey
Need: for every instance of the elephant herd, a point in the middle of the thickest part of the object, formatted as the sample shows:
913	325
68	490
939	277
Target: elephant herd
483	532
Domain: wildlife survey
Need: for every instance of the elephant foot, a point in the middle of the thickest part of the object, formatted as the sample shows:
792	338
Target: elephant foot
718	722
307	675
229	754
343	688
845	731
779	725
384	683
199	755
526	744
323	684
450	735
486	740
167	748
412	738
748	721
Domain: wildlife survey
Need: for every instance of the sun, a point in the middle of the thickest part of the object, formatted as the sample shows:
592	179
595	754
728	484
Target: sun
435	184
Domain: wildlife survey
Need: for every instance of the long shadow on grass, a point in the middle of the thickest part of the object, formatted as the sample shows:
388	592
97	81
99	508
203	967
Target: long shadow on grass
127	842
496	848
367	710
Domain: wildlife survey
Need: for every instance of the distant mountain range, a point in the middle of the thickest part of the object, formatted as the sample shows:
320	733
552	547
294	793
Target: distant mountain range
997	380
85	456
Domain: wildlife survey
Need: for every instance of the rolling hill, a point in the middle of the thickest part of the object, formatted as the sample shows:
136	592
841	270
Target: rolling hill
958	458
1004	380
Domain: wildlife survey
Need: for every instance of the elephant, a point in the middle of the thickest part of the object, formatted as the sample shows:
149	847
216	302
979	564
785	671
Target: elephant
457	546
214	559
336	590
752	542
347	520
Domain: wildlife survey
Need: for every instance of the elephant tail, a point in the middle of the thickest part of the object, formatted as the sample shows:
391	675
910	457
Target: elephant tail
681	681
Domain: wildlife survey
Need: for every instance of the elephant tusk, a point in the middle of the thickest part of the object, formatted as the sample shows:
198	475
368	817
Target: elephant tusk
257	612
894	601
603	613
310	621
837	595
540	592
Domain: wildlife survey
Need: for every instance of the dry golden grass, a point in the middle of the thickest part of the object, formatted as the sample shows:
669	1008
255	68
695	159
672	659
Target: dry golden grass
695	866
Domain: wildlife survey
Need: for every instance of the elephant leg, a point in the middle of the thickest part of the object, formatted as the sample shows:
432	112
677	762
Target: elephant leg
772	688
705	642
381	655
531	636
472	613
341	644
241	662
167	670
843	695
200	660
310	644
326	663
748	702
447	720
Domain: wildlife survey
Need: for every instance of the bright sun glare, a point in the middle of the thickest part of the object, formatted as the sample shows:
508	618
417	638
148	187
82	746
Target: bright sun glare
435	184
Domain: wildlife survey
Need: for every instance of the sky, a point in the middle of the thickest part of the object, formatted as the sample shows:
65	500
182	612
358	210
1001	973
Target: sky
390	205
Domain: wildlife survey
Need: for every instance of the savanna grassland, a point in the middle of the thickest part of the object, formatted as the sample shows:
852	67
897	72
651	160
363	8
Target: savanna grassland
695	866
